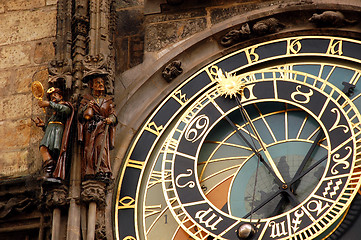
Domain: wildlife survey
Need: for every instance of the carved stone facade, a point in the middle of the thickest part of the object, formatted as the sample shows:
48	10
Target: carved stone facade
146	48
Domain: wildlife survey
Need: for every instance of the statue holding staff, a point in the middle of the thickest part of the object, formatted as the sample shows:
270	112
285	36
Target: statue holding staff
53	146
96	130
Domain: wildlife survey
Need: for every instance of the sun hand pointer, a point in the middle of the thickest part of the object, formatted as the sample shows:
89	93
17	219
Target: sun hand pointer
258	137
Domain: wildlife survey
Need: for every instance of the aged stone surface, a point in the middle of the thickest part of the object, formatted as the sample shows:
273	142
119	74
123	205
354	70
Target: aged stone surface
159	18
220	14
44	52
23	4
129	22
159	36
13	163
128	3
136	50
122	59
5	78
51	2
15	55
22	79
15	106
2	7
129	36
16	27
19	140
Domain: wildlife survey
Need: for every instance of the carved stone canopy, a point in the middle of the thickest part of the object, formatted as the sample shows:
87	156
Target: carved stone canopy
60	72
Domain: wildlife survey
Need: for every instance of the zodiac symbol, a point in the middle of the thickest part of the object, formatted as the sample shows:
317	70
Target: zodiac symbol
336	158
278	229
307	96
336	123
190	184
296	221
335	188
203	213
201	122
318	206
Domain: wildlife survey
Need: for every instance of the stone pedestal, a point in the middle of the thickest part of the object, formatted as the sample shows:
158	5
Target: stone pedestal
93	195
55	196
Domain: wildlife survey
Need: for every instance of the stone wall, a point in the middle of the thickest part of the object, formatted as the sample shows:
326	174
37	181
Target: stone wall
178	22
129	34
28	31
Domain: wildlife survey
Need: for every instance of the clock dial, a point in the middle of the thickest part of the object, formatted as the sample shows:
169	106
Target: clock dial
308	193
280	153
288	133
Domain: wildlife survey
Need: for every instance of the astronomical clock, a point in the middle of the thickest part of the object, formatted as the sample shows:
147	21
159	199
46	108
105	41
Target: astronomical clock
262	143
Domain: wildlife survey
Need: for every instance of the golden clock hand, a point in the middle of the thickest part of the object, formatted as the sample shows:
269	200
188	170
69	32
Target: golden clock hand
268	155
231	85
278	181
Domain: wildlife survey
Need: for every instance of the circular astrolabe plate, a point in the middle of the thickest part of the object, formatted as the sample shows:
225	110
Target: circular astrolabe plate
145	209
329	199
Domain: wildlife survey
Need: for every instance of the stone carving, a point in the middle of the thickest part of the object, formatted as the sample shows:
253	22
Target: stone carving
93	191
260	28
172	70
60	73
100	233
267	26
330	19
60	69
55	196
80	26
16	204
235	36
100	57
96	130
93	63
53	146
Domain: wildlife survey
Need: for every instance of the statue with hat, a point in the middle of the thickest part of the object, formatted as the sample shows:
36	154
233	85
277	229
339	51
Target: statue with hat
96	129
53	146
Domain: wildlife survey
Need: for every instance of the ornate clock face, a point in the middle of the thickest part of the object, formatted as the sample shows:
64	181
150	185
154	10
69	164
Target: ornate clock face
279	153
